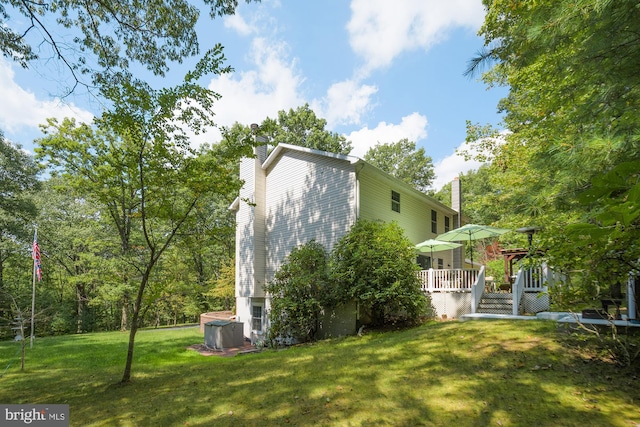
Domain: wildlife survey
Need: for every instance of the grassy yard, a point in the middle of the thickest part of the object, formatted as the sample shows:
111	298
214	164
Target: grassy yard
441	374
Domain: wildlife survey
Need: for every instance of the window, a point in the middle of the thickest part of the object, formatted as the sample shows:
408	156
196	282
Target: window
447	224
395	201
256	318
440	263
434	222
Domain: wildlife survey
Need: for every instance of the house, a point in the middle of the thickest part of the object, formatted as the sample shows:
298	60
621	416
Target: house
296	194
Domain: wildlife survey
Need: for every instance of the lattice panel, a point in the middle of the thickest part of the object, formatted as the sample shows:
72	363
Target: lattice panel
451	304
534	302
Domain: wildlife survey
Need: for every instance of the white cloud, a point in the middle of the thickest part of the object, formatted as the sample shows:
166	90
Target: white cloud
345	103
450	167
237	23
380	30
412	127
249	97
455	164
21	109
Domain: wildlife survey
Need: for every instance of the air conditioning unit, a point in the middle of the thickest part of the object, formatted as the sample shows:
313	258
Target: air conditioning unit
221	334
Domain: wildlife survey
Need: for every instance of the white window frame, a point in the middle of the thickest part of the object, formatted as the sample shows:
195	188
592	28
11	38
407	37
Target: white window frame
254	319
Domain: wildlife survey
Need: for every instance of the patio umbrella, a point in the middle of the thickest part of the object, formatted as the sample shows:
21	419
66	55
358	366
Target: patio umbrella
472	232
436	246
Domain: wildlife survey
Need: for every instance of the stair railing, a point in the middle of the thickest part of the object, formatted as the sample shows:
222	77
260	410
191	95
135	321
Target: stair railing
517	291
477	289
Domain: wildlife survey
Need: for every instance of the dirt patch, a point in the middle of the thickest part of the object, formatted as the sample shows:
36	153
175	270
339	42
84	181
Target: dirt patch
225	352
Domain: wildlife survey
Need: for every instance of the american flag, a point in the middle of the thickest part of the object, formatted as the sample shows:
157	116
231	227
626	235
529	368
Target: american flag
36	258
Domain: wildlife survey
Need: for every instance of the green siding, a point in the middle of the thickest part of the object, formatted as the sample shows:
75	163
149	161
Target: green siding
415	208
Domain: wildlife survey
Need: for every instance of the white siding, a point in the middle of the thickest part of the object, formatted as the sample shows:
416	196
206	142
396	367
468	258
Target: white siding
305	195
308	197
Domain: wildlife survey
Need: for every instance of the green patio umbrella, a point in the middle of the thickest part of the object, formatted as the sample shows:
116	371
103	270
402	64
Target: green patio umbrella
436	246
472	232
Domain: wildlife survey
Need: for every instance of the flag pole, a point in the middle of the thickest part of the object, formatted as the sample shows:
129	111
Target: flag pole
33	292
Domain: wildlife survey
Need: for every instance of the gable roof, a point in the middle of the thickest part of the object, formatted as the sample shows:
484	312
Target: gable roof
283	148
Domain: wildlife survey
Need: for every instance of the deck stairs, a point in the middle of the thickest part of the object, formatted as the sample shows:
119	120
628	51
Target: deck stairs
496	303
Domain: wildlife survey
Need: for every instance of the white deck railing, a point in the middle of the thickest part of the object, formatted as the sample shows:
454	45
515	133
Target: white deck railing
455	280
536	278
533	280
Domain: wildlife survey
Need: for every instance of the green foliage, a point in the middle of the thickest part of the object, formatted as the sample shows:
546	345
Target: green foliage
109	39
480	197
604	241
303	128
569	162
18	182
299	291
375	265
402	160
138	167
223	287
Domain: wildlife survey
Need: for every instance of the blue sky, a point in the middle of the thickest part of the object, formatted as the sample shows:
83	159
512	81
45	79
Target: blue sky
377	70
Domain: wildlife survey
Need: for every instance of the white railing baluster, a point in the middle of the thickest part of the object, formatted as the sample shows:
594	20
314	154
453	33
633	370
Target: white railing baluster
447	280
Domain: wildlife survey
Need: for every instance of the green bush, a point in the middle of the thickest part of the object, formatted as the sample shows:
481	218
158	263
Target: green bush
375	265
298	292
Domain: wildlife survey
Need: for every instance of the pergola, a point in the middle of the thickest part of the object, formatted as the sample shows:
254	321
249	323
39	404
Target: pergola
511	256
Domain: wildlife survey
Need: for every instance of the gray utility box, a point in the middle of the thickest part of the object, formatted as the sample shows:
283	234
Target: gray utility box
220	334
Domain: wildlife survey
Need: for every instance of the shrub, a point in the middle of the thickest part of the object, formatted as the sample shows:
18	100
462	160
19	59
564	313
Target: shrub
375	265
298	294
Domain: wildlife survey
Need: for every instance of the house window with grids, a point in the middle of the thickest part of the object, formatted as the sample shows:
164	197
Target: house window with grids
256	318
434	222
447	224
395	201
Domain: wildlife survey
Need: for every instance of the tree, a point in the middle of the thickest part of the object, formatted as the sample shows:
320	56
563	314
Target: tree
302	127
299	291
223	287
402	160
138	166
375	265
107	37
573	96
79	250
18	182
208	242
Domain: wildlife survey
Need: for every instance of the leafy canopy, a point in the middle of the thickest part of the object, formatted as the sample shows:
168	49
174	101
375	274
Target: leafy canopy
102	37
574	92
303	128
402	160
138	166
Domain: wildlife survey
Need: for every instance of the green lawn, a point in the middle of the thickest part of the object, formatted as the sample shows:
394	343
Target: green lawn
496	373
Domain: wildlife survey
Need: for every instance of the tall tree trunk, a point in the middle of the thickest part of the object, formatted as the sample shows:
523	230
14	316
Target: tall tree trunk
126	376
123	317
81	296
